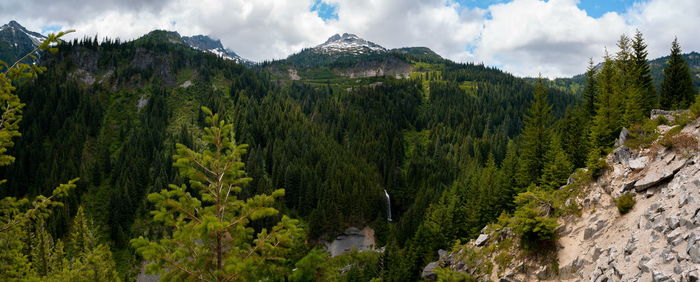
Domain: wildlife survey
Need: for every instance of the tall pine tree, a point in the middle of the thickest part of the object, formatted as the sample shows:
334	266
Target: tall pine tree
590	90
535	137
642	74
677	90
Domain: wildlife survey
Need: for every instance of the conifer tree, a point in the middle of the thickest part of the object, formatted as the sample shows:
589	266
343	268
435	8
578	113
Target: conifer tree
590	90
642	74
557	167
535	137
677	90
212	239
607	121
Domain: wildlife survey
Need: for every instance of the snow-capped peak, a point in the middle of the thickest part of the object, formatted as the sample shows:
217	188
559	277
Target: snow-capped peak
14	29
207	44
348	43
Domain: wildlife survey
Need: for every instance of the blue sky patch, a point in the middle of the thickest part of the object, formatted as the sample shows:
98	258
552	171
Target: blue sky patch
50	28
324	10
594	8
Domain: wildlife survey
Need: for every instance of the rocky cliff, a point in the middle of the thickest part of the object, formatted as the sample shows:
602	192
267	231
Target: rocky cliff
658	239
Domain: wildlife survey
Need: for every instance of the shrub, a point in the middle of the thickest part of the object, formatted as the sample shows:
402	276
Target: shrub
625	203
643	134
695	107
534	222
662	120
597	167
679	141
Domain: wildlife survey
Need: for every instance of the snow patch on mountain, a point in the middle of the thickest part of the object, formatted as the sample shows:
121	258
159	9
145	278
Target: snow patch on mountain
207	44
16	29
348	43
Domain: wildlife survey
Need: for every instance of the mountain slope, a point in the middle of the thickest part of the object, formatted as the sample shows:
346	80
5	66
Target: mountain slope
16	41
207	44
350	56
656	240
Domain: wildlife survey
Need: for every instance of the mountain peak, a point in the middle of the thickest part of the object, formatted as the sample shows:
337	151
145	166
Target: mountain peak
14	32
208	44
349	43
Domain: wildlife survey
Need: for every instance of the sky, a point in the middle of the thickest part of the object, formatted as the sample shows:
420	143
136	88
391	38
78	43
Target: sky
552	38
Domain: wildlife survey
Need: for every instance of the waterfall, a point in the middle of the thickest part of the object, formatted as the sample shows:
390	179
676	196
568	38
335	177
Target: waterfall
388	206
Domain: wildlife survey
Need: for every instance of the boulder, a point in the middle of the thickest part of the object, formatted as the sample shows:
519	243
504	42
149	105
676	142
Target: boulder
643	264
622	155
692	276
442	254
481	240
638	163
669	115
428	272
668	255
693	250
659	276
624	134
673	222
659	173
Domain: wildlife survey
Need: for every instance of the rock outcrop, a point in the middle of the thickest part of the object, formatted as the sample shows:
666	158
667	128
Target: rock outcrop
657	240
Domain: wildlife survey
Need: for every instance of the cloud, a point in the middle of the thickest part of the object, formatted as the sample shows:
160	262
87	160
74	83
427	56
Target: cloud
554	38
524	37
662	20
444	26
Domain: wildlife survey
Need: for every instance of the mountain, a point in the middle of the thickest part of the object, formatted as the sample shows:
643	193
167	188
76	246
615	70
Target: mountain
16	41
349	56
201	43
347	44
207	44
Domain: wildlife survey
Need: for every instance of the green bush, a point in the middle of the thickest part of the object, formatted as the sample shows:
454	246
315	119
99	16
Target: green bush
662	120
695	107
625	203
598	167
643	134
534	220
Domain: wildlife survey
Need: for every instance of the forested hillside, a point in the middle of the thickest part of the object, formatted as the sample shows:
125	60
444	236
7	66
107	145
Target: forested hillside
453	144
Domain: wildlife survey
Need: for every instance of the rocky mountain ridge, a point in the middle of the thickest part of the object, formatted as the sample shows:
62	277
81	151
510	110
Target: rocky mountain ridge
16	41
657	240
208	44
348	43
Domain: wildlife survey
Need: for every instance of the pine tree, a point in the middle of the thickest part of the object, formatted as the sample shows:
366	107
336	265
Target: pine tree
642	73
212	239
557	167
590	90
535	137
82	238
608	119
677	90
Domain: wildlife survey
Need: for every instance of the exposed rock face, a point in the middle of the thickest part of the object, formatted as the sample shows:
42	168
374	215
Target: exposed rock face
428	271
351	238
624	134
668	115
657	240
481	239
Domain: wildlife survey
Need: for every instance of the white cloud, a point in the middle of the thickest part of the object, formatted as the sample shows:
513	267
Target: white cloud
524	37
553	38
661	20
